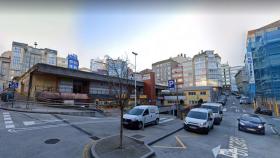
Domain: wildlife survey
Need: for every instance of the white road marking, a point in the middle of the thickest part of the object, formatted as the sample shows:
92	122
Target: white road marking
225	109
15	130
28	123
8	120
165	120
277	119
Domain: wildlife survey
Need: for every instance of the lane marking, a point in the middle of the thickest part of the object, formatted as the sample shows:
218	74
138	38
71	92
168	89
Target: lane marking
28	123
225	109
8	120
178	141
15	130
167	120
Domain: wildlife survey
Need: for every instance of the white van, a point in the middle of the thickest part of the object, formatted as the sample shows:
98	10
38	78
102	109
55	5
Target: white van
199	119
217	111
141	115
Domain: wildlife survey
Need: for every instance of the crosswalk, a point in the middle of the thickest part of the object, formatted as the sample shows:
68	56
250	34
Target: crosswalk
8	120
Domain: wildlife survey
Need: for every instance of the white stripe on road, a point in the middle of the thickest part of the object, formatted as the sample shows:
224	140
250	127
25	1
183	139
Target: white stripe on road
28	123
277	119
8	120
166	120
225	109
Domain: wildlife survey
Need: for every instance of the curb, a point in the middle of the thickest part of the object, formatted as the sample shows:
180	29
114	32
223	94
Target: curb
87	114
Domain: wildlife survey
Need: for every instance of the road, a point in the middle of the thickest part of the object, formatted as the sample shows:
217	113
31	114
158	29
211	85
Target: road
226	136
31	135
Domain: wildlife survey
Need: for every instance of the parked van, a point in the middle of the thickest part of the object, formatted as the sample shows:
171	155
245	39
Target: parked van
199	119
141	115
217	111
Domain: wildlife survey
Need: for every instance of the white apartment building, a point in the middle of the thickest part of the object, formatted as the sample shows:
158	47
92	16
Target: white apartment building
226	76
207	69
188	72
23	57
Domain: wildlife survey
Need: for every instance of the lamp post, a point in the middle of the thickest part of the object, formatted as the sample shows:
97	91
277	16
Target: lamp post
135	97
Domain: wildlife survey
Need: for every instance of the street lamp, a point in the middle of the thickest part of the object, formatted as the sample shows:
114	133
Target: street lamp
135	97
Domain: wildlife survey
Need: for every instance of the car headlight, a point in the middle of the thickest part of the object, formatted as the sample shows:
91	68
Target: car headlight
243	124
202	124
260	126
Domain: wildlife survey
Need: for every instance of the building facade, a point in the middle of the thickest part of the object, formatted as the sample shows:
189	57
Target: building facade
264	45
206	93
226	76
241	79
177	76
207	69
188	71
62	62
163	70
23	57
73	61
97	64
5	61
233	71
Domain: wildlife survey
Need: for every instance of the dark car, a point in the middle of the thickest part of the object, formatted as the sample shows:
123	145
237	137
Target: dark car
251	123
263	111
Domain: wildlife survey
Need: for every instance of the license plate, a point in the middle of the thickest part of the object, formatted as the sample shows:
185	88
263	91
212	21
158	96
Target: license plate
193	127
251	129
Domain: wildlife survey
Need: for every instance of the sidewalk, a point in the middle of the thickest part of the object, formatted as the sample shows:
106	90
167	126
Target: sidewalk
46	109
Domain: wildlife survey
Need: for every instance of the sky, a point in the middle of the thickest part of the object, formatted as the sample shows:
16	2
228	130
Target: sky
156	30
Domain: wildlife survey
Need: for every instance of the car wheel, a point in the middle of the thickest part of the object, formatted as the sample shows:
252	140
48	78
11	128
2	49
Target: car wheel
157	121
207	131
263	132
212	127
140	125
239	128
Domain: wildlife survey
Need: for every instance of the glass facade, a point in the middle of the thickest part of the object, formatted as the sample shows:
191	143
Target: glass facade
265	48
73	62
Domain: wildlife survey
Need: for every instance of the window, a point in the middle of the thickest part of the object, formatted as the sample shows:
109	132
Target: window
203	93
192	93
146	112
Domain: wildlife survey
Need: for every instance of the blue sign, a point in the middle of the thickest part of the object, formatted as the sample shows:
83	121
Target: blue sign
13	84
171	84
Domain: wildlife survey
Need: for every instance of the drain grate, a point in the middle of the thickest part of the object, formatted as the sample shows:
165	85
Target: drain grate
94	138
52	141
138	136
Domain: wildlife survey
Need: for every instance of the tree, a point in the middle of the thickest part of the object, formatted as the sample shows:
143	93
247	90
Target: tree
120	85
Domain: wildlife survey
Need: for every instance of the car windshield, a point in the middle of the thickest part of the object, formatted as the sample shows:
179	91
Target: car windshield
250	118
197	115
135	111
213	108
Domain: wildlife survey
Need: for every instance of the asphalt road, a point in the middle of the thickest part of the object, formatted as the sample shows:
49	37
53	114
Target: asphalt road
30	135
226	137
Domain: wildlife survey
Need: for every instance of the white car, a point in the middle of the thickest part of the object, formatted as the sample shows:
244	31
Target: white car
217	109
140	116
199	119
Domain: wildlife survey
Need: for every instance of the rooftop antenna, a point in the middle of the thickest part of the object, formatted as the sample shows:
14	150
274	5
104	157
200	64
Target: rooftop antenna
35	44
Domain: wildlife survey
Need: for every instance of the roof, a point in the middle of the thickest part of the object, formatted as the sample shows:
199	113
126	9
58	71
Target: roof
200	110
212	104
164	61
144	106
41	68
271	25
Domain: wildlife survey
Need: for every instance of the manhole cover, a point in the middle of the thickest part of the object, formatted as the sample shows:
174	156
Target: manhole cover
138	136
94	138
52	141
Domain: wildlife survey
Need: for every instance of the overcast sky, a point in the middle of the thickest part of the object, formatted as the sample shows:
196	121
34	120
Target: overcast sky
156	31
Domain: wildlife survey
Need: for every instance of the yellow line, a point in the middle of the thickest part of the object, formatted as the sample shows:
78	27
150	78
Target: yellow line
180	142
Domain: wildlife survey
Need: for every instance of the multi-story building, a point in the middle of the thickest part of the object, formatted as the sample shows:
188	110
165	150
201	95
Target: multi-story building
61	62
23	57
5	61
177	75
242	81
188	71
226	76
207	69
264	45
163	70
233	71
117	67
73	62
97	64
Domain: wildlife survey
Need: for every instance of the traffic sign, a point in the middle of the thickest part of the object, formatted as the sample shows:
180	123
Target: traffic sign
171	84
13	84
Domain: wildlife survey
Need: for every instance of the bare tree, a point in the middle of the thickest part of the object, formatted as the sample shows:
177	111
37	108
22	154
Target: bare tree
120	85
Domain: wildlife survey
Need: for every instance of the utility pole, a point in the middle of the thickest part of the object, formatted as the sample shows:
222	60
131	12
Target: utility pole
135	97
